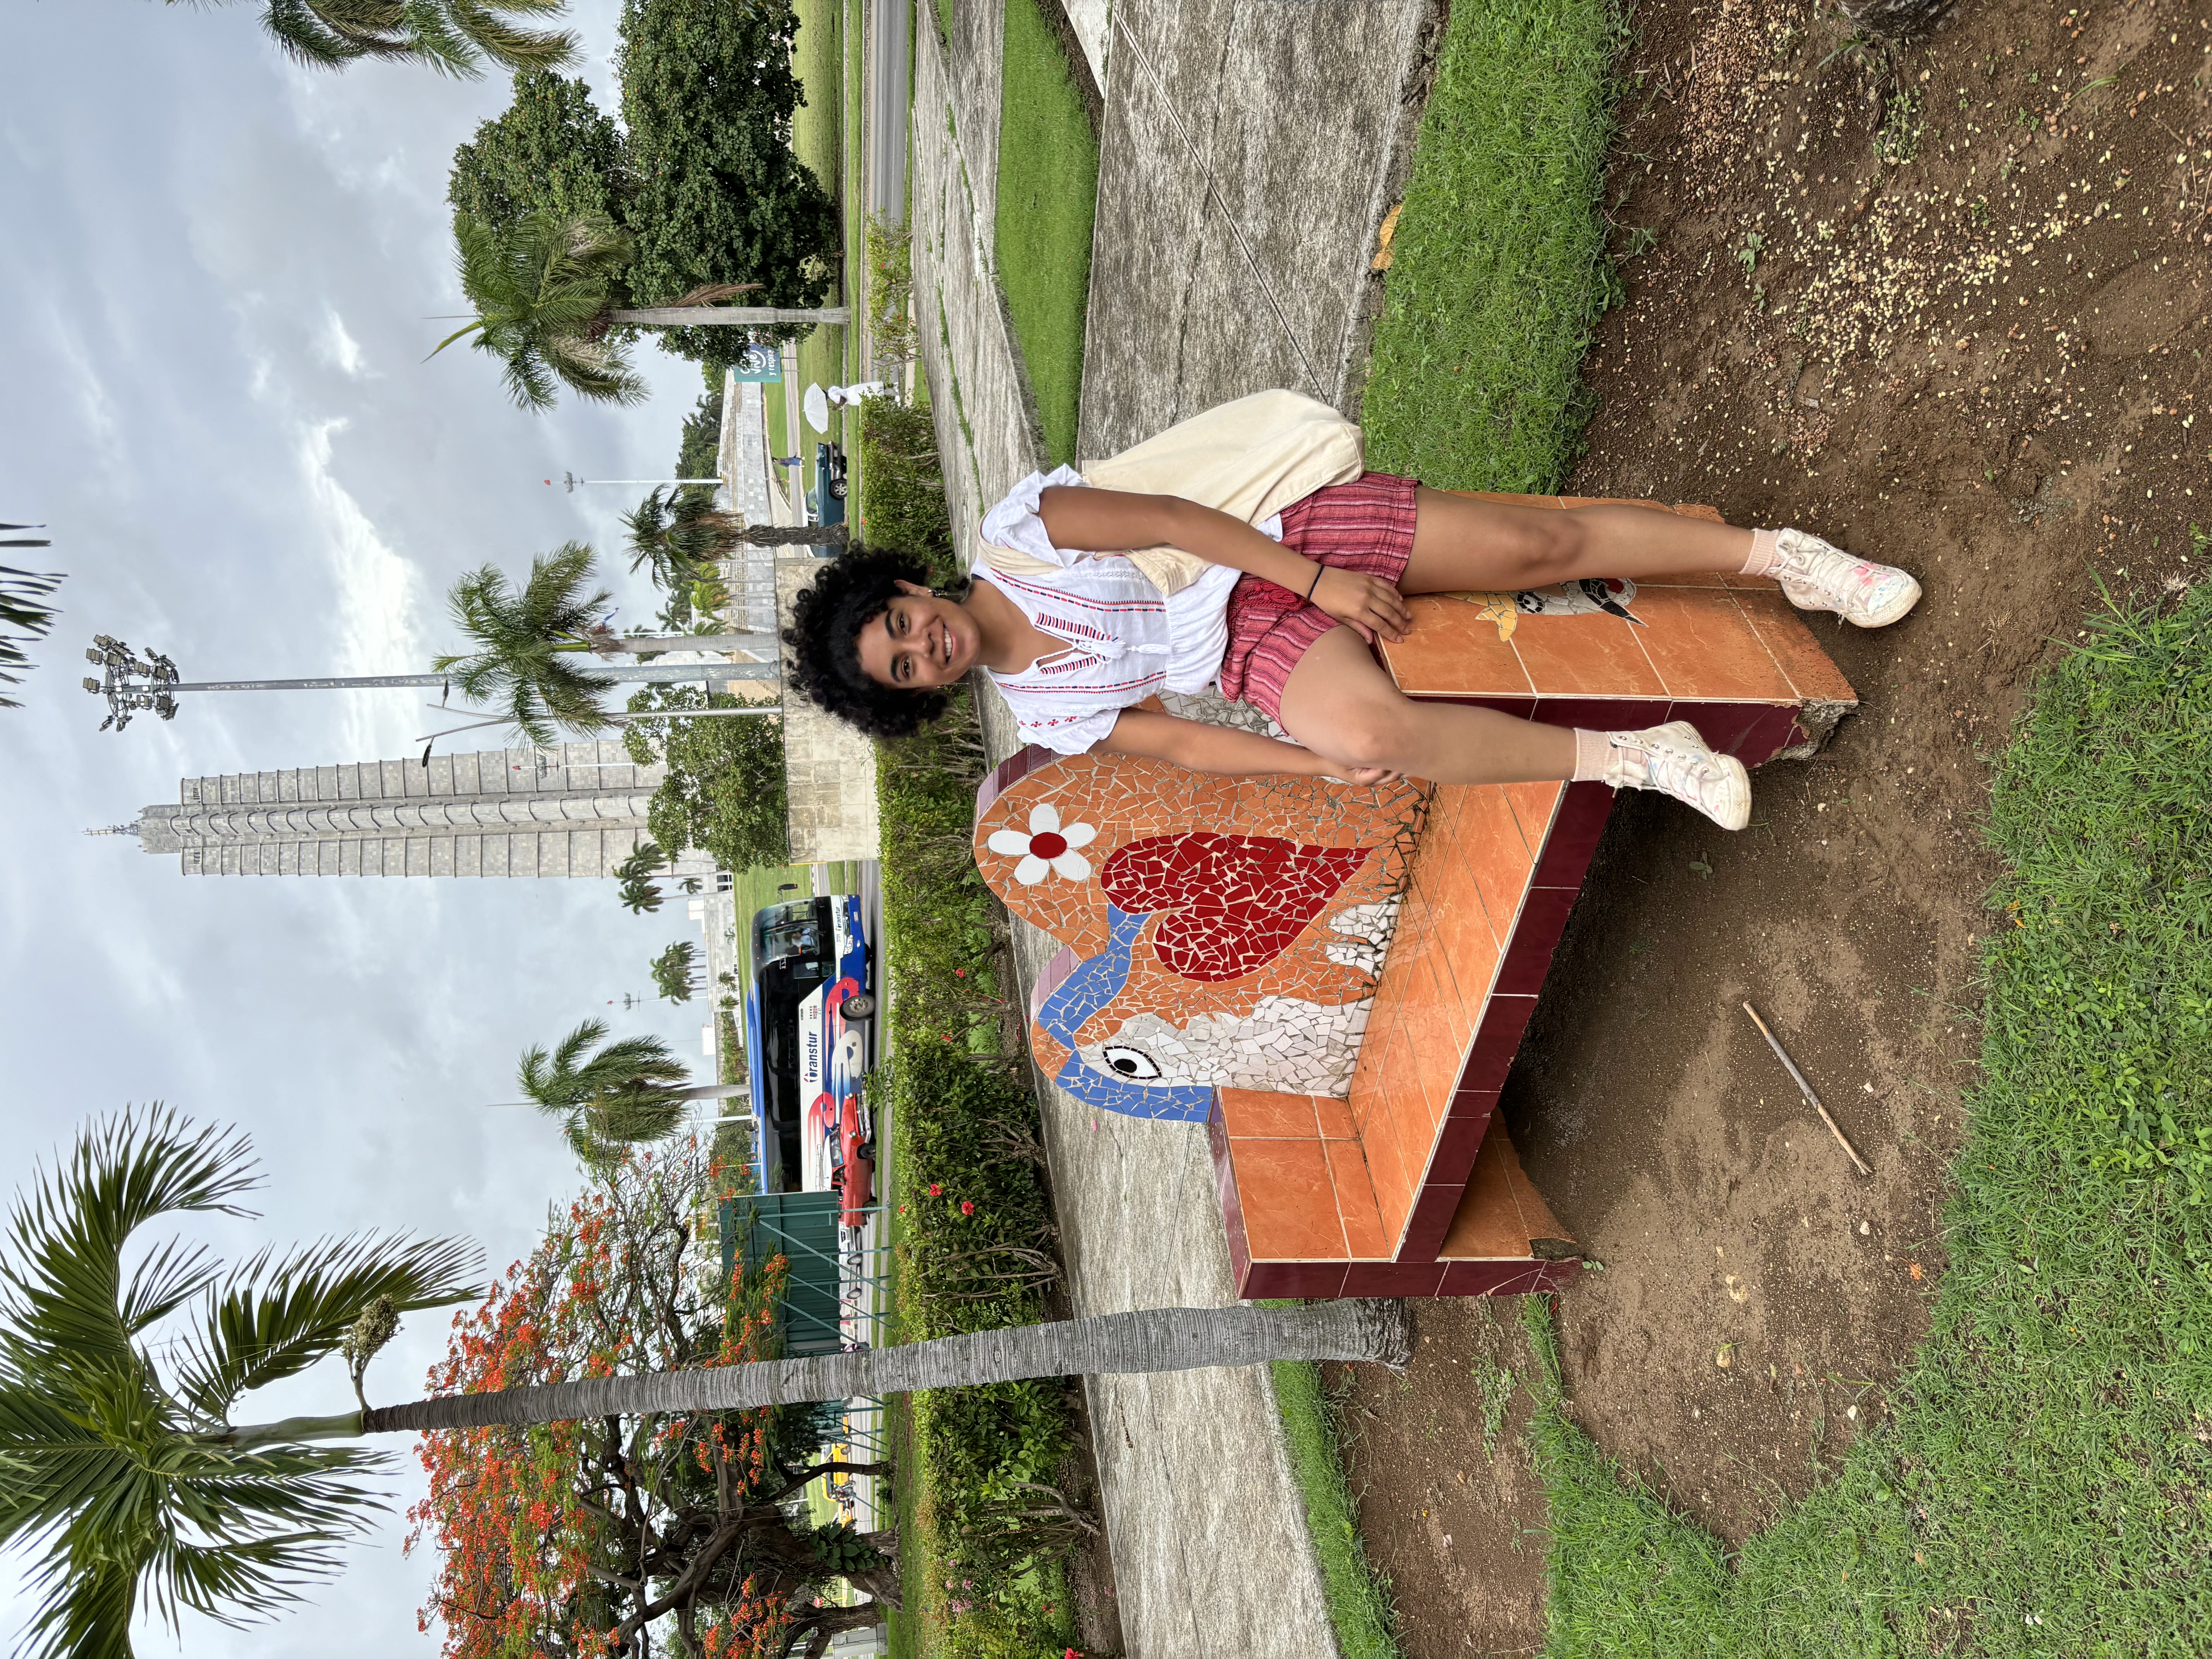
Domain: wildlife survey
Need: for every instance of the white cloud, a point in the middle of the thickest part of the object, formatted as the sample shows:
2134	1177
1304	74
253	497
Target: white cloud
378	595
341	350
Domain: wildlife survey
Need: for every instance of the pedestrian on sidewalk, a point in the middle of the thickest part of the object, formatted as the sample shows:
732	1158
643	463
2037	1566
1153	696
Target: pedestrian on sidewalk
1268	562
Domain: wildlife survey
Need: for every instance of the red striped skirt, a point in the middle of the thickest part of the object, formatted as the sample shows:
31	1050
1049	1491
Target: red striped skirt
1366	526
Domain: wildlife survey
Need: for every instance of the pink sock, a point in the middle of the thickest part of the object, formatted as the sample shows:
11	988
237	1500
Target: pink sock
1591	753
1765	552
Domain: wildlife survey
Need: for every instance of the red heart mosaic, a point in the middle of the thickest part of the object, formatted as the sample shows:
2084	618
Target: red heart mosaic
1234	903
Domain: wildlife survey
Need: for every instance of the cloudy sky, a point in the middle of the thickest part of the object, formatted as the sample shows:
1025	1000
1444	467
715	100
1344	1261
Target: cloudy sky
221	275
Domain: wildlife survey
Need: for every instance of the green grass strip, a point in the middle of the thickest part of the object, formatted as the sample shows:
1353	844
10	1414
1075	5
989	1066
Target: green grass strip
1358	1597
2045	1483
1048	194
1499	268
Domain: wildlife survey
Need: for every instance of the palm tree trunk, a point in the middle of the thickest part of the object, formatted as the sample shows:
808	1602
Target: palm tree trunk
1152	1339
704	1091
669	673
694	316
794	535
633	644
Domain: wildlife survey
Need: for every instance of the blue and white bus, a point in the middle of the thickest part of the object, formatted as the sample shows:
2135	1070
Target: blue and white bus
807	1017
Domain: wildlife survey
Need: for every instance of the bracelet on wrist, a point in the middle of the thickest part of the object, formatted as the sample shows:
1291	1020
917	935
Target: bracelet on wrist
1313	584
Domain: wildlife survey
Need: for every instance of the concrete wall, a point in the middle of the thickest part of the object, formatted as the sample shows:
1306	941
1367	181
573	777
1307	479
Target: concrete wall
829	768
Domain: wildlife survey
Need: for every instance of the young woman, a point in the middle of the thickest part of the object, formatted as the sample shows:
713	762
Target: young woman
1282	617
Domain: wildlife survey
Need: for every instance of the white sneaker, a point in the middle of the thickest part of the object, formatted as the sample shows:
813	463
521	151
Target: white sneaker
1675	761
1815	576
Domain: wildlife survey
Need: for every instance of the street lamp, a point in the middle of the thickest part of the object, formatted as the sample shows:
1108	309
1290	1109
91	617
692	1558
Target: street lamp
132	684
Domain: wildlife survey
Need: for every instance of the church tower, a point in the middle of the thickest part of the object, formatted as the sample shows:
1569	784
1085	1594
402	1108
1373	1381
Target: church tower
576	809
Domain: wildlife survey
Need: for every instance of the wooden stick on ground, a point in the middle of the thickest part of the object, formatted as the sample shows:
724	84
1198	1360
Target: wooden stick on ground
1850	1151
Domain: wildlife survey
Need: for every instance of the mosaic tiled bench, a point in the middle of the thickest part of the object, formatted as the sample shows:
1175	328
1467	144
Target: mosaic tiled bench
1334	979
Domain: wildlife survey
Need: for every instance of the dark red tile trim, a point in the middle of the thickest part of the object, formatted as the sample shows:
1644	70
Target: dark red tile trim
1321	1280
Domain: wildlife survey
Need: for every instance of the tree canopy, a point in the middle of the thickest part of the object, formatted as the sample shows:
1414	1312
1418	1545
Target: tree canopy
699	174
571	1539
552	151
724	794
719	196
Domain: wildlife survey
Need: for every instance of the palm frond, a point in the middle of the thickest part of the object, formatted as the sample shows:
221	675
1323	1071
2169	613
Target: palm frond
61	1285
543	288
143	1498
275	1316
520	634
450	36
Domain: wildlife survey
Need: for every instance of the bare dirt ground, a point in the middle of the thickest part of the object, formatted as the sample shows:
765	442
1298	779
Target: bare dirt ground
1948	308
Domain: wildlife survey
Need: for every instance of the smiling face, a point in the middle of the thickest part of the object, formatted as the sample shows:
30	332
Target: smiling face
921	642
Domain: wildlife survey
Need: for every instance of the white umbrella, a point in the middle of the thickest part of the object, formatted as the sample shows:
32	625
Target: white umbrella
815	405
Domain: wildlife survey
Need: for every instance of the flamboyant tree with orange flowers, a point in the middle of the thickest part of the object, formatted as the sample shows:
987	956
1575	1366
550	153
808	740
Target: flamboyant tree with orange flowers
572	1538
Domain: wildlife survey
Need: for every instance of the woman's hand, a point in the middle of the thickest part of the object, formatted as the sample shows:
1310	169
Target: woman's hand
1368	604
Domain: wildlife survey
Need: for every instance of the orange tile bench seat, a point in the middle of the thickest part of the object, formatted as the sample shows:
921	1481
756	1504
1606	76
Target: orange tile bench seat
1413	1186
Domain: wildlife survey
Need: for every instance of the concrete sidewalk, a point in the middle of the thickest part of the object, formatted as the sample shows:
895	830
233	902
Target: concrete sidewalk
1248	153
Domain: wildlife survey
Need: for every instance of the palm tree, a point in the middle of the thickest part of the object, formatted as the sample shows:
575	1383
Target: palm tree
133	1477
676	536
629	1091
450	36
23	594
546	291
527	637
144	1493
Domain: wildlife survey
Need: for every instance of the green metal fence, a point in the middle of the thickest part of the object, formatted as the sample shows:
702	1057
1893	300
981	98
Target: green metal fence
803	1228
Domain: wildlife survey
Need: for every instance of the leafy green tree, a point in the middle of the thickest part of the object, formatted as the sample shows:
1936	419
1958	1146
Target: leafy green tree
724	794
708	98
699	450
451	36
132	1480
675	971
552	151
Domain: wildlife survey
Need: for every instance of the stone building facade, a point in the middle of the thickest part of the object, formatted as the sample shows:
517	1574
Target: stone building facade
575	809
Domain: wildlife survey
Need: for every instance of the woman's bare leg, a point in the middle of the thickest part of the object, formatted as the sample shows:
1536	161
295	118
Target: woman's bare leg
1459	543
1340	703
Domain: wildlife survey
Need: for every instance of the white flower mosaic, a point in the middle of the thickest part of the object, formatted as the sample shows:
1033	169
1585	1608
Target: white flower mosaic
1048	848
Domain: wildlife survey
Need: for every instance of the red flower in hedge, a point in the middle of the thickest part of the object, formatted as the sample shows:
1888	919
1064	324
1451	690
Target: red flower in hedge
967	1206
936	1191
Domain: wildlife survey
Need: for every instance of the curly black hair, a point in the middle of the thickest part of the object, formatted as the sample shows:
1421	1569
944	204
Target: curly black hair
850	592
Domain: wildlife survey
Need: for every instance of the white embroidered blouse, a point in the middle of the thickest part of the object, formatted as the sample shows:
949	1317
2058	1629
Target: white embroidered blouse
1125	643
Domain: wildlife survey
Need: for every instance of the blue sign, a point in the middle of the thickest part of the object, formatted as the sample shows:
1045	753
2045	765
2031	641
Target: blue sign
761	361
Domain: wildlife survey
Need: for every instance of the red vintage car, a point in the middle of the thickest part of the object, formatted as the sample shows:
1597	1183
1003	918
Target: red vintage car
853	1160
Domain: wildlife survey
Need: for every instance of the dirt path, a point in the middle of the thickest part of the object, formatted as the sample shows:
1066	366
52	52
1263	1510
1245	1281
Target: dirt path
1986	363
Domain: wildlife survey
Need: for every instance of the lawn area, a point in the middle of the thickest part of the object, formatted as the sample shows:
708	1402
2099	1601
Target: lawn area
2043	1482
1499	267
1358	1604
1048	191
